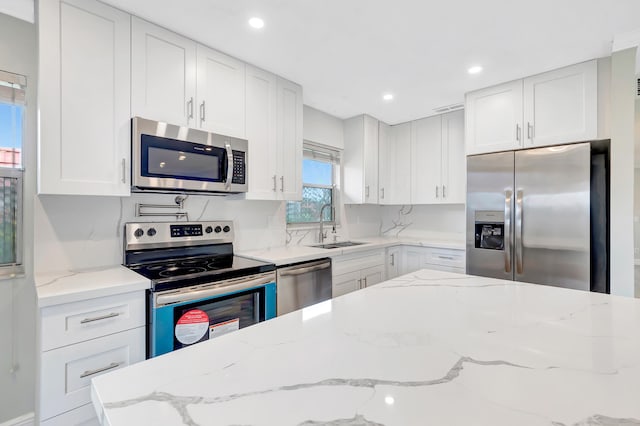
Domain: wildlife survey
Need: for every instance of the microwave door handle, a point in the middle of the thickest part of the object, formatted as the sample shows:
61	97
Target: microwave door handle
229	165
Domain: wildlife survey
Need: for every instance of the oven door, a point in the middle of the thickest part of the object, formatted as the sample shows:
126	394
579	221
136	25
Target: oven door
187	316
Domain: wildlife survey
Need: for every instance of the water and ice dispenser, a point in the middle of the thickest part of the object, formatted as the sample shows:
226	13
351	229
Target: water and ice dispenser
489	230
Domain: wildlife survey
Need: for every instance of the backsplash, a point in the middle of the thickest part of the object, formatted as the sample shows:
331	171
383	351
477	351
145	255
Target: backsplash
86	232
446	221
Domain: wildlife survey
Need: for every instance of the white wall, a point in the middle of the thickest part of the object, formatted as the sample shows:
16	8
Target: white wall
622	171
17	300
21	9
322	128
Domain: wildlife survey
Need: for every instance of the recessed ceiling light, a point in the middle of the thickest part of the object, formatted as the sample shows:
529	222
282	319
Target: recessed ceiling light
387	97
256	22
475	69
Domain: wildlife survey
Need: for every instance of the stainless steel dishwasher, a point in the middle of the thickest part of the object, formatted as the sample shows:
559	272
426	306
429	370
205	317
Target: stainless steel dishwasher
303	284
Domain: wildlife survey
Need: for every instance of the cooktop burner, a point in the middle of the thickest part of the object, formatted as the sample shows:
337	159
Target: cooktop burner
176	271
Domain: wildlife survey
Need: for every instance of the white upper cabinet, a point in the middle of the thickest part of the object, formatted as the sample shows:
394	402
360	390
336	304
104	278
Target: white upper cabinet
395	163
220	92
552	108
261	132
361	160
289	139
454	161
84	94
494	118
426	160
561	106
438	163
163	74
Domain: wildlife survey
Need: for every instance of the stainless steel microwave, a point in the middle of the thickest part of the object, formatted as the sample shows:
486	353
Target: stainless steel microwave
169	158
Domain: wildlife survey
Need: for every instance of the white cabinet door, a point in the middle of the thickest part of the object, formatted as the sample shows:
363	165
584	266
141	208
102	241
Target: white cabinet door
372	276
493	119
220	88
393	267
395	164
426	160
371	151
413	259
84	62
561	106
163	74
454	161
346	283
82	416
261	133
289	139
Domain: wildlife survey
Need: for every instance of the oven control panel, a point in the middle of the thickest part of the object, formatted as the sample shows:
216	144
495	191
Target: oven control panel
167	234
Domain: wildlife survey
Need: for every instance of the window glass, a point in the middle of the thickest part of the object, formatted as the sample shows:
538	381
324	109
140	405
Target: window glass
317	172
11	135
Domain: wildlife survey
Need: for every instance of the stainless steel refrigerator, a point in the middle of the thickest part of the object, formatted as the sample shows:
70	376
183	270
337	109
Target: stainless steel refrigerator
540	216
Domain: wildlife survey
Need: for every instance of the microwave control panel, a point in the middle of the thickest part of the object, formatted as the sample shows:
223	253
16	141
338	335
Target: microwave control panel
239	168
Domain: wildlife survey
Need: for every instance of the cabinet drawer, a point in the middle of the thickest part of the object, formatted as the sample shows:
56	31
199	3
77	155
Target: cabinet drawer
451	258
79	321
356	262
66	372
82	416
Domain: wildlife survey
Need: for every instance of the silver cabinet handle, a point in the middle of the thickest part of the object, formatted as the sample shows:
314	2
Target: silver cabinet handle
445	257
437	191
124	170
365	283
518	132
190	108
366	191
519	254
393	259
102	317
275	188
229	165
281	183
529	131
444	191
360	283
202	111
382	193
100	370
507	230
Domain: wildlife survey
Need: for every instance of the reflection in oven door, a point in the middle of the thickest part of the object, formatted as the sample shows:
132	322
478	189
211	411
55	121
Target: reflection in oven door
184	323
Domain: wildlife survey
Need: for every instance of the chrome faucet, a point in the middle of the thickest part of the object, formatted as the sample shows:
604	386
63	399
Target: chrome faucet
323	233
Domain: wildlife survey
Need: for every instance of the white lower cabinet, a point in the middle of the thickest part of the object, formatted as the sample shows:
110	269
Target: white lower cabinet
449	260
356	271
393	262
80	341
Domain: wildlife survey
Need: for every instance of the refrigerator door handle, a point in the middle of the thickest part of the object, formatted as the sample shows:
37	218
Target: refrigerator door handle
518	239
507	229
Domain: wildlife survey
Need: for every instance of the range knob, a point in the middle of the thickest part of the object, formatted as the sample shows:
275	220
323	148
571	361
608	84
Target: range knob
208	230
218	230
151	232
226	229
138	233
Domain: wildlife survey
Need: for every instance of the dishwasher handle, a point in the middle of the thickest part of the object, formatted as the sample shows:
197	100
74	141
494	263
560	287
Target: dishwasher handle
294	270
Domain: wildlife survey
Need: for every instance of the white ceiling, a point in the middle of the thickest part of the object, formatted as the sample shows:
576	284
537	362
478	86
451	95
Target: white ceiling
347	53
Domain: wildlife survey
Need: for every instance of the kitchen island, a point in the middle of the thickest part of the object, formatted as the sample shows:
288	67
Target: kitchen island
428	348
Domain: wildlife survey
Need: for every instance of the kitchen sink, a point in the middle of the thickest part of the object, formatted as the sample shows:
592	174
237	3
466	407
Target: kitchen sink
338	245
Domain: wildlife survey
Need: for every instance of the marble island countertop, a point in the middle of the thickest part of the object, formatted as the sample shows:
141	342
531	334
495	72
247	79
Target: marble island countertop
299	253
428	348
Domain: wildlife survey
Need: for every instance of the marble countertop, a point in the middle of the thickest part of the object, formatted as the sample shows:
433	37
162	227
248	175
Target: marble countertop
428	348
54	288
299	253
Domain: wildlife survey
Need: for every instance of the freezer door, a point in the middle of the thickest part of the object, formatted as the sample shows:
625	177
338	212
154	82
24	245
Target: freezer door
552	216
490	215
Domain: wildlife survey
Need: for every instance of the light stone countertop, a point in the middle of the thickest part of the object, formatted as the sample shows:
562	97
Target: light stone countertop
54	288
428	348
299	253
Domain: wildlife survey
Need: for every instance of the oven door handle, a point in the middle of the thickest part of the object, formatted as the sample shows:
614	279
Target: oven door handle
187	294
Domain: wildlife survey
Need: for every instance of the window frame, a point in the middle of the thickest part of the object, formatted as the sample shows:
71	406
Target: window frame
329	155
17	83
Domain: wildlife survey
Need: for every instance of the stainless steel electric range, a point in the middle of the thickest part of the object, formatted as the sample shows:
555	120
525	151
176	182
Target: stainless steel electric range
199	289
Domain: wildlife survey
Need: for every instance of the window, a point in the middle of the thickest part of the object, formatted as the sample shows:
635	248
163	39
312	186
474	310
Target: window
319	169
12	108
